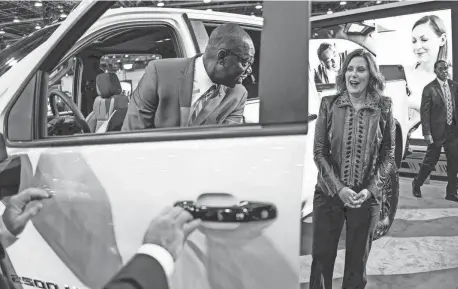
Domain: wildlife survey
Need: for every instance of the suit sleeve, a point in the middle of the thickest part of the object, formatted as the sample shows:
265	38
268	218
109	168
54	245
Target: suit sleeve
142	272
425	111
236	117
386	163
321	152
144	101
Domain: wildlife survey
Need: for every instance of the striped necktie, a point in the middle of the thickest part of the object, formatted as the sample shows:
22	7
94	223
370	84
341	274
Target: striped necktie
449	104
200	103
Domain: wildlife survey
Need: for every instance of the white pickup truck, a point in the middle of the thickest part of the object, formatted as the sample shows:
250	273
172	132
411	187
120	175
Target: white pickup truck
109	185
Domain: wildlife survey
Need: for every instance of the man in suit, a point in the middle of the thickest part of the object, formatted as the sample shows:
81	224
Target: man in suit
153	264
203	90
439	116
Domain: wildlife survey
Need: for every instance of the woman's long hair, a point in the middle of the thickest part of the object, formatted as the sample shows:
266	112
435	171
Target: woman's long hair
376	80
438	26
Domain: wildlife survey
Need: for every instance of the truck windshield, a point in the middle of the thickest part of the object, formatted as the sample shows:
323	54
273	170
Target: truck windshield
11	55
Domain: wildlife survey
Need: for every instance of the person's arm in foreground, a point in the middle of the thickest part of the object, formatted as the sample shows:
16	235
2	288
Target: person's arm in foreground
18	211
154	261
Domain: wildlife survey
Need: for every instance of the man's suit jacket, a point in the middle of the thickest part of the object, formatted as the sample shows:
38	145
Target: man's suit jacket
142	272
433	110
163	98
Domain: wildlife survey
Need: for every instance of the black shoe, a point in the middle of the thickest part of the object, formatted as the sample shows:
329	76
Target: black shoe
451	197
416	191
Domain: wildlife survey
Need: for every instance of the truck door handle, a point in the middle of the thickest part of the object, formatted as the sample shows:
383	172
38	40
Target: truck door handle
243	212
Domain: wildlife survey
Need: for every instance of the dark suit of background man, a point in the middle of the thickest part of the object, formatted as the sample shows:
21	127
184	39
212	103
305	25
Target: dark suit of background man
203	90
439	116
153	264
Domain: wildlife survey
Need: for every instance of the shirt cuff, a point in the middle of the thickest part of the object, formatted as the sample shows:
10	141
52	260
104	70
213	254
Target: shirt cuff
161	255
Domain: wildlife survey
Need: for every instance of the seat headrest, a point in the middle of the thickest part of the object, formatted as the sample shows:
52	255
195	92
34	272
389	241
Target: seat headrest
108	85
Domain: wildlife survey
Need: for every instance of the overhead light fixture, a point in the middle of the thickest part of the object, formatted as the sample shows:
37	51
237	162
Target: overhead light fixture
343	3
63	15
160	4
259	6
329	11
16	19
2	31
38	4
378	2
59	6
38	27
207	1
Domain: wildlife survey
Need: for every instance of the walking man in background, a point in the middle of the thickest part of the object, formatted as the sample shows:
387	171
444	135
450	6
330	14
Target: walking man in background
439	117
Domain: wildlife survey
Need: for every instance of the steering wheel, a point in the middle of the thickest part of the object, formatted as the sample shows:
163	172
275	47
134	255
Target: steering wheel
79	117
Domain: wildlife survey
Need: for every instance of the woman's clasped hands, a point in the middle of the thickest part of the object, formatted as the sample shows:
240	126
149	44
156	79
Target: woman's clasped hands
352	199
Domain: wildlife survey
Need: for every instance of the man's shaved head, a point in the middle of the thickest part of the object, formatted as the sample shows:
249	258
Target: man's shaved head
229	54
228	36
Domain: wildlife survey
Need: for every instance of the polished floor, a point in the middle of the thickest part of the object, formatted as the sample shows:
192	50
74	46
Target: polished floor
419	252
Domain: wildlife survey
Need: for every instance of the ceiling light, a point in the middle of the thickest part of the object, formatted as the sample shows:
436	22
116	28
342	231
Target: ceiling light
38	4
259	6
127	55
378	2
2	31
330	11
38	27
59	7
207	1
16	20
63	15
160	4
343	3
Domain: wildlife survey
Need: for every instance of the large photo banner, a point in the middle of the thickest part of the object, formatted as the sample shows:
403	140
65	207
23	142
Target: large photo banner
416	41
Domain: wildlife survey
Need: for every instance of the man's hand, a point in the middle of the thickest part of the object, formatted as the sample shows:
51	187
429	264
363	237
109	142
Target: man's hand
170	230
22	207
347	196
429	139
362	196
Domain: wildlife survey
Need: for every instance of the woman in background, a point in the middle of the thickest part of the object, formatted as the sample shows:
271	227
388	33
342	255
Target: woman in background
354	153
429	44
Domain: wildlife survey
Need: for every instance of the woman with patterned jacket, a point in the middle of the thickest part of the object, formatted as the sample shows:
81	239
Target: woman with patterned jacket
354	151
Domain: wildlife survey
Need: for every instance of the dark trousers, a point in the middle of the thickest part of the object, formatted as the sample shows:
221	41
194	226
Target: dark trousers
432	157
329	214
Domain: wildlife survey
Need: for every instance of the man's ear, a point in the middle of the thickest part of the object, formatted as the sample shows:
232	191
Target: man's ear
222	54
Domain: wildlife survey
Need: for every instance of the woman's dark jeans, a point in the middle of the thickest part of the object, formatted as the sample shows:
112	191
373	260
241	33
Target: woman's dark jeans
329	214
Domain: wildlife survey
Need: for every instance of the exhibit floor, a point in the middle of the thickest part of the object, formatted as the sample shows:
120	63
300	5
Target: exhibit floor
419	252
